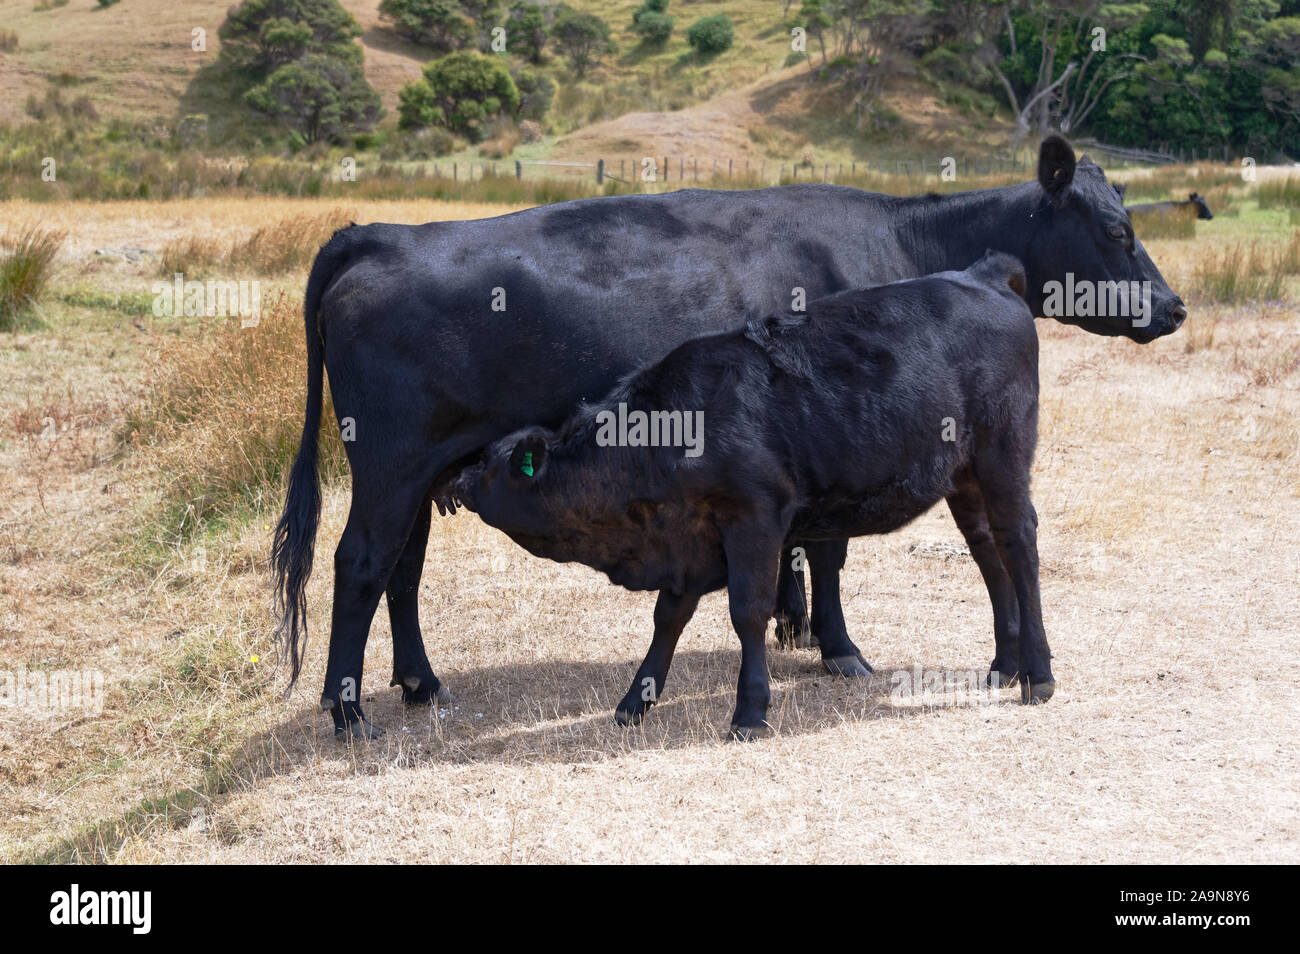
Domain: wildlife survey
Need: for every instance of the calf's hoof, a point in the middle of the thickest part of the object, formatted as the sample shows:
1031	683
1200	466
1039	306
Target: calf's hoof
1001	679
794	634
854	665
361	730
749	733
1032	693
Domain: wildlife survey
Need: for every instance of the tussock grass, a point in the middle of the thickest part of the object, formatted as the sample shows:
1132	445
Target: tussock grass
1280	193
223	417
1246	271
25	261
8	41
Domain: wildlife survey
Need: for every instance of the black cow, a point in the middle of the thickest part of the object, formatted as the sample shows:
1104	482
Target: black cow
430	370
853	418
1172	207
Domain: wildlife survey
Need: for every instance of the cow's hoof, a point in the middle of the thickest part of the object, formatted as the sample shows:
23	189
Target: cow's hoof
362	729
1001	679
749	733
625	717
854	666
1032	693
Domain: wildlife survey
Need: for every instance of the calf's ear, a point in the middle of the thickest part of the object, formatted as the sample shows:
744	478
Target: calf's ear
1056	164
1192	196
527	458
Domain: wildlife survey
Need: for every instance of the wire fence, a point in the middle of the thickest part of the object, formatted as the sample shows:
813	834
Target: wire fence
634	170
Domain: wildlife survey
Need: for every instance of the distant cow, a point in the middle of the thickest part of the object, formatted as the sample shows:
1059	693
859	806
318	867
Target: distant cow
440	339
853	418
1194	203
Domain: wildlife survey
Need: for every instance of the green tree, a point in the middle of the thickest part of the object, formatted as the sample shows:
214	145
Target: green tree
583	37
263	35
526	32
298	65
440	25
711	35
652	23
462	91
320	97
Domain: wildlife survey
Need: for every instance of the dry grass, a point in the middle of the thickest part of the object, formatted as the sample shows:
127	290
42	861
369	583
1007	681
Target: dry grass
1247	271
270	250
1170	536
213	423
1157	225
26	258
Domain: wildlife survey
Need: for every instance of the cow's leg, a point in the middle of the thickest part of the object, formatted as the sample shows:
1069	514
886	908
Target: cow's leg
791	613
752	572
1014	526
380	522
839	655
672	612
411	669
967	506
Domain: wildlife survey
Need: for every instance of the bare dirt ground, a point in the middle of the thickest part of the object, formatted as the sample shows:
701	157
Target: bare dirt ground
1166	486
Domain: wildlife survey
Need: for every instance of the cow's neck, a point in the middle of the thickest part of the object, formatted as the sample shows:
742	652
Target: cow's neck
942	233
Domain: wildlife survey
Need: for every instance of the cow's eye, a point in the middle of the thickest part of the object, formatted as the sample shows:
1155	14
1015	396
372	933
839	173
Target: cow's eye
1117	232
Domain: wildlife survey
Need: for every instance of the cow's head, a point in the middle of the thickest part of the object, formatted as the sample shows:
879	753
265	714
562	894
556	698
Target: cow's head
1083	260
1202	210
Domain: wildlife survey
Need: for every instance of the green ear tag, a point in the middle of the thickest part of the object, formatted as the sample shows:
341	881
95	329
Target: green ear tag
527	465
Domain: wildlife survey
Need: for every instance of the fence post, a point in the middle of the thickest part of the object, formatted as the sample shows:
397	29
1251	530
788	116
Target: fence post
762	175
454	174
519	170
729	165
697	168
600	172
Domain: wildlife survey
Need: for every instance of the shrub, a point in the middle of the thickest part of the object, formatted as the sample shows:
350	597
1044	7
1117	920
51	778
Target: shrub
711	35
8	41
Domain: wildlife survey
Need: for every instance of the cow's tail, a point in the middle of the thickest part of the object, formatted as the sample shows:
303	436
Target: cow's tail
295	534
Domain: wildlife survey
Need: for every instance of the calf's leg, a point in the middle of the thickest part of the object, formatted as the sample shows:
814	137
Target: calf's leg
967	506
1014	526
672	612
839	655
411	669
752	554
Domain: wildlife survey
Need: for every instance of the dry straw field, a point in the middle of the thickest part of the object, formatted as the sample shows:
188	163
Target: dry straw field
134	537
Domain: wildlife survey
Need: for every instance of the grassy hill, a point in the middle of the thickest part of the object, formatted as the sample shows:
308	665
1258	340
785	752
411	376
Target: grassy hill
134	61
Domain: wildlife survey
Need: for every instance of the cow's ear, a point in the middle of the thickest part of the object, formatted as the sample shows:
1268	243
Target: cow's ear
1055	167
1193	197
527	459
1121	189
